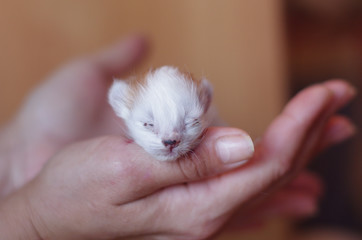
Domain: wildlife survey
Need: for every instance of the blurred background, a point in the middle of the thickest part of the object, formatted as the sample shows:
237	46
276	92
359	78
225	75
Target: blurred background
257	54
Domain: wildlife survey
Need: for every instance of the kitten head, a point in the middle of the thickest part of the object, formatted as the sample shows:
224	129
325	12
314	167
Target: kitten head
165	110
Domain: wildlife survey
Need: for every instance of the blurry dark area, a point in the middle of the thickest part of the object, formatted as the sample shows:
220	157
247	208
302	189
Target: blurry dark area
324	41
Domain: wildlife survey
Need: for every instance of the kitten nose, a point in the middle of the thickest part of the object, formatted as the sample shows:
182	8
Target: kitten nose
169	142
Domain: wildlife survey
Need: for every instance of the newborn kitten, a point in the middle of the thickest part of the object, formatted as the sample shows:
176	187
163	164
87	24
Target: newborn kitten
165	110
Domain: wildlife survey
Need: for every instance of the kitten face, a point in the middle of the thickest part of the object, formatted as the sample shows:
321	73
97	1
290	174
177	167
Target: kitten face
167	115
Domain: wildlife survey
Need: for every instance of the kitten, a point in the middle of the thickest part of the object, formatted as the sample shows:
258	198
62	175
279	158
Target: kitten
165	110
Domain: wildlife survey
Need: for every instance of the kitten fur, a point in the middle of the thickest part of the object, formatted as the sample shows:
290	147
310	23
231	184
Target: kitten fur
165	110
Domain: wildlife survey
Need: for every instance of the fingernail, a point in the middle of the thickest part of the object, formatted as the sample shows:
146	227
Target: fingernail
236	148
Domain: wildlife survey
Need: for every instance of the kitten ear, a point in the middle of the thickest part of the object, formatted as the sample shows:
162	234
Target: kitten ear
117	98
205	94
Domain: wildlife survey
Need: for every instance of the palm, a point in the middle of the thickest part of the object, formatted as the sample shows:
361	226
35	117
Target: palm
72	104
294	137
76	108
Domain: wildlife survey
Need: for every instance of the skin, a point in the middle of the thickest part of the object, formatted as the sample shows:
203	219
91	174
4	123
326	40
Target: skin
63	177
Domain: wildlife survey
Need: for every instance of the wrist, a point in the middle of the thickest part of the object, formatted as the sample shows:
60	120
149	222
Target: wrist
16	220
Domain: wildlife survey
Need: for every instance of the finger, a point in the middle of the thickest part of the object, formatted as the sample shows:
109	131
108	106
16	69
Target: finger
291	205
222	149
342	94
118	58
308	182
299	197
337	129
296	200
305	186
277	156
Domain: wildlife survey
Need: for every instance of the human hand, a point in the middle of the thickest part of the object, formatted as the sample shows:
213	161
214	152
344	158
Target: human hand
109	187
298	198
70	106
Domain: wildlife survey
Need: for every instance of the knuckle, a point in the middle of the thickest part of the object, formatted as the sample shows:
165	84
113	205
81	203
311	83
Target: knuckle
292	119
285	168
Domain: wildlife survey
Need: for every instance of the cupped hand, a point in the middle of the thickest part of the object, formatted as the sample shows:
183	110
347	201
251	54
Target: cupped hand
69	106
108	187
192	201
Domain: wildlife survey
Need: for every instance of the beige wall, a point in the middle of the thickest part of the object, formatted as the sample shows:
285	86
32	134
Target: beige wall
237	44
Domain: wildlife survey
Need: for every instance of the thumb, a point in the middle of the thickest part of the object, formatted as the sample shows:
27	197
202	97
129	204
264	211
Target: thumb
221	150
119	57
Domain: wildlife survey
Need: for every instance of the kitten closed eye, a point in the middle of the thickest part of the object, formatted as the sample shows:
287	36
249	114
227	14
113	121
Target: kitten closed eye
193	122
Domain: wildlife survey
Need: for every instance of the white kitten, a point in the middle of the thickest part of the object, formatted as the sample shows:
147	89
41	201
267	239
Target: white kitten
165	110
